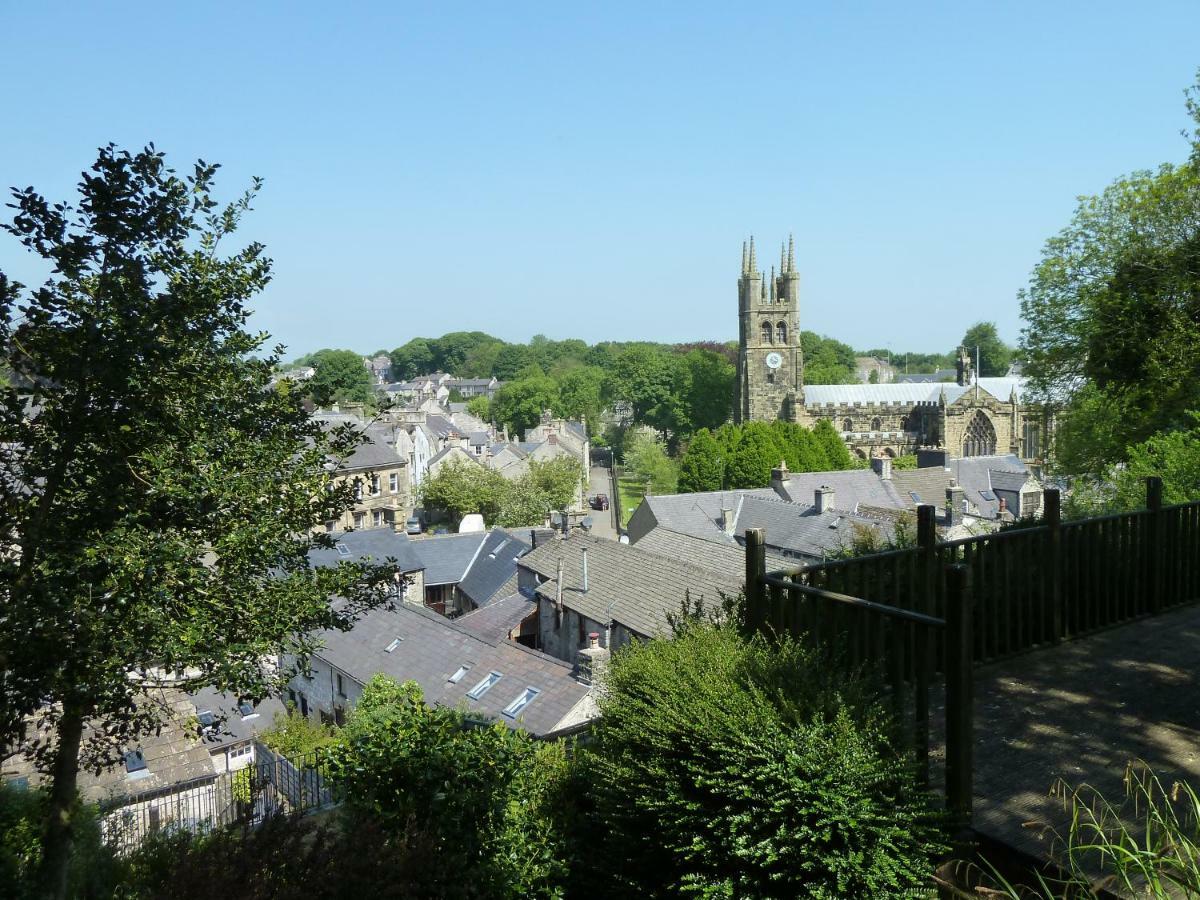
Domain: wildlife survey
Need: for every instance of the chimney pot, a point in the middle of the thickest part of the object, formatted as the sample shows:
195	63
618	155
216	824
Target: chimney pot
593	639
823	498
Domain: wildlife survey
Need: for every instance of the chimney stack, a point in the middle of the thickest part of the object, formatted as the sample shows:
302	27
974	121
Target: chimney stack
727	520
592	661
956	503
882	466
585	572
781	480
823	498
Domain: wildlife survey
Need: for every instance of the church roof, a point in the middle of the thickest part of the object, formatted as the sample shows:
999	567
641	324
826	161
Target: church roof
849	394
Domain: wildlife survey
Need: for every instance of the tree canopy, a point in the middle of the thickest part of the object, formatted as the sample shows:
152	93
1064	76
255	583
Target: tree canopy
994	355
340	377
163	499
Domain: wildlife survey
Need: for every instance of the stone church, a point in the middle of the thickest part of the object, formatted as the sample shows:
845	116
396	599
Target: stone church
971	416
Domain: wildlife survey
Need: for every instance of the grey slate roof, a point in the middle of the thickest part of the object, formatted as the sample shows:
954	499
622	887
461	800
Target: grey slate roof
439	425
906	393
927	378
852	488
928	484
639	588
446	451
431	651
725	559
446	557
986	473
793	529
500	617
231	727
494	567
479	438
370	545
696	514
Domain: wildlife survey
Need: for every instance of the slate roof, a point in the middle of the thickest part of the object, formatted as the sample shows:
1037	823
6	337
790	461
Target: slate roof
696	514
446	557
439	425
172	756
370	545
447	451
501	617
987	473
1008	481
639	588
852	488
929	484
927	378
799	530
479	438
725	559
494	567
906	393
231	727
431	651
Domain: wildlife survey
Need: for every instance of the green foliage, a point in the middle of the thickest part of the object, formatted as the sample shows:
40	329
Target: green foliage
758	773
702	467
482	794
557	479
753	457
1113	315
904	461
459	488
163	498
481	408
294	735
519	404
641	377
994	355
580	396
646	461
826	361
340	377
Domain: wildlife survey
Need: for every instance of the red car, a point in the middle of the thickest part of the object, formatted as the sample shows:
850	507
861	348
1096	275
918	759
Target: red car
600	501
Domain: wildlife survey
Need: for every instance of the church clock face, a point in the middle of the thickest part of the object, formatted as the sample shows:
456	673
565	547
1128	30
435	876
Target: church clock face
774	360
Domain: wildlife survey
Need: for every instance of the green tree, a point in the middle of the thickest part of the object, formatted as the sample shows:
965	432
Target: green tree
641	377
752	459
691	731
709	399
162	498
510	360
703	465
295	735
460	488
523	503
480	407
1113	314
837	454
558	480
646	460
340	377
995	356
412	359
579	396
826	361
519	404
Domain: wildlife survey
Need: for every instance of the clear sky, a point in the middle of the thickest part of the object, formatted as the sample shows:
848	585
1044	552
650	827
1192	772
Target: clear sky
591	170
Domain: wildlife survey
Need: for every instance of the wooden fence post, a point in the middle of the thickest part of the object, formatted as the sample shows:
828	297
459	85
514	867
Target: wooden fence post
756	591
1154	542
1052	517
960	695
927	544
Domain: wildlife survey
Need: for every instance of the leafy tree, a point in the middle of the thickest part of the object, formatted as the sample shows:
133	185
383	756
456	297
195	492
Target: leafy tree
690	732
826	361
558	480
703	465
837	454
511	359
579	396
340	376
752	459
1113	314
460	488
640	377
483	795
994	355
480	407
163	499
519	404
709	398
412	359
646	459
450	351
295	735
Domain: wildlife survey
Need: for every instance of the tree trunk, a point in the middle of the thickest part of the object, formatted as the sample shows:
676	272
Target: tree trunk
60	826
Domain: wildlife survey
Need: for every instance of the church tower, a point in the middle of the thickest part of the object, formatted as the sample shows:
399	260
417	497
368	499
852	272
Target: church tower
770	370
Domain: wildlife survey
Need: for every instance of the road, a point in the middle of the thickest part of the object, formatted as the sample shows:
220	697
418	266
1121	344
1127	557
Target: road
603	524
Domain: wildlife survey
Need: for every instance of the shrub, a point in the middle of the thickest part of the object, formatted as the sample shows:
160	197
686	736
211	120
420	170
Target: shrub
296	736
725	767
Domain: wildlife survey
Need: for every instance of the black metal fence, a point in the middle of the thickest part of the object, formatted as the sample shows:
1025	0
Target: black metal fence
270	785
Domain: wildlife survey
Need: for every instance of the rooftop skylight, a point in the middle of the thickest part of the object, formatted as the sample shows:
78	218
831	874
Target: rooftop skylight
393	645
523	700
482	688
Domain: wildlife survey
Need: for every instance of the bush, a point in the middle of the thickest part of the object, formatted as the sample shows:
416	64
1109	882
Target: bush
295	736
725	767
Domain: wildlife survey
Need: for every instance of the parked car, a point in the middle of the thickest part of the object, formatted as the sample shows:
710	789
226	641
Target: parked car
600	501
412	525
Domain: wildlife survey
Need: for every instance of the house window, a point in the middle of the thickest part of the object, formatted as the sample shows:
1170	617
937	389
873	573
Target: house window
360	520
375	489
246	708
781	332
377	518
523	700
339	716
482	688
358	489
304	706
341	686
766	333
394	482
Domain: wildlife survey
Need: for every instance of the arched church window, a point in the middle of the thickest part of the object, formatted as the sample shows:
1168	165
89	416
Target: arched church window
877	424
766	333
980	439
847	425
781	331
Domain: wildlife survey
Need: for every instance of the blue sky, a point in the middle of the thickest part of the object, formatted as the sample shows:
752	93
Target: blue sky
591	170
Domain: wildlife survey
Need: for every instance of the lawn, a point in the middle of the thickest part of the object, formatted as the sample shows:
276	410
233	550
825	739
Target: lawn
632	491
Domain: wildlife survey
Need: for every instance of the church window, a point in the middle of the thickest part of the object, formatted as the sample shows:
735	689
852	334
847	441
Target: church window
770	378
781	332
877	424
766	333
980	439
847	425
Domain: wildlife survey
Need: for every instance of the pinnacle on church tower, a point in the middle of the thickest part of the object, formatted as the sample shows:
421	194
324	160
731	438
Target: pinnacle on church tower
791	257
782	260
773	297
745	259
753	261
